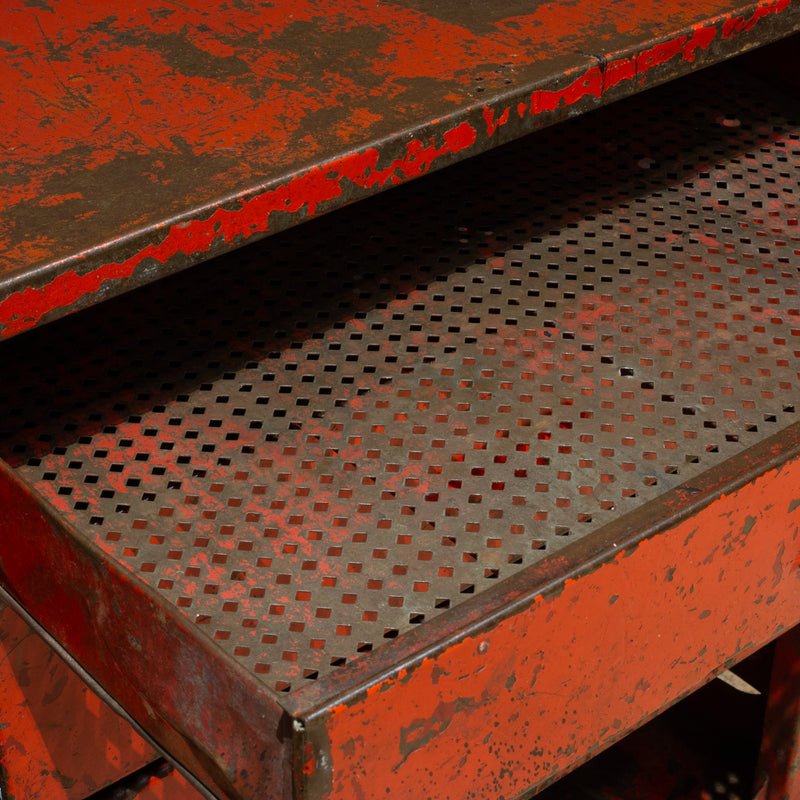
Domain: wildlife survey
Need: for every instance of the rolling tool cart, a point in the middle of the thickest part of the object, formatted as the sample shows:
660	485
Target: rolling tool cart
436	496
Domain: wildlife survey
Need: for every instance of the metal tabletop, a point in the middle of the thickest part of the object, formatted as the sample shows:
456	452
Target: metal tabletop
439	494
140	140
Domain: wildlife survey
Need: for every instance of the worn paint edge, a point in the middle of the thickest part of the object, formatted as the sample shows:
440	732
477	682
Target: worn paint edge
65	286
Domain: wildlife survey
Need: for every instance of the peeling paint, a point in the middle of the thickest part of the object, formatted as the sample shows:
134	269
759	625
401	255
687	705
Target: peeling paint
231	206
578	648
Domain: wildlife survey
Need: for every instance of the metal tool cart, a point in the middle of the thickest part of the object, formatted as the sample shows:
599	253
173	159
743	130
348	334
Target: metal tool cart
438	495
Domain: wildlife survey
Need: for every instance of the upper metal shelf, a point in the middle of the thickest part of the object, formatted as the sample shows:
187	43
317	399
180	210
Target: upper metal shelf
138	141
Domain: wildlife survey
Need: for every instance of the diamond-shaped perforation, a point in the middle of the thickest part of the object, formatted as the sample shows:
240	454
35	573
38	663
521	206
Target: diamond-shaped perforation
316	444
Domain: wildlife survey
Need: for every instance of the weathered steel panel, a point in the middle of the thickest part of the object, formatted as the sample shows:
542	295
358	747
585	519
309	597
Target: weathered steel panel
208	714
567	669
140	140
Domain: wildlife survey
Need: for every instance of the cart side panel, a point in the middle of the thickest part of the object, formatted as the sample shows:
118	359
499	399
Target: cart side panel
574	669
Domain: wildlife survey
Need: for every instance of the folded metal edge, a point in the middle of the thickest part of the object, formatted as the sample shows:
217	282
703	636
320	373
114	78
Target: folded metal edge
106	269
199	707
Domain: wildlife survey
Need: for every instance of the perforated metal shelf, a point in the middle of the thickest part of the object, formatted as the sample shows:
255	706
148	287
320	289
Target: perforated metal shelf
316	444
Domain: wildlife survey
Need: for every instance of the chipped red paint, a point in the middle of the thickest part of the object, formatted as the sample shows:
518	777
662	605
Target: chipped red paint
141	90
744	23
598	80
624	69
573	668
660	54
491	124
184	693
591	83
26	309
544	656
701	39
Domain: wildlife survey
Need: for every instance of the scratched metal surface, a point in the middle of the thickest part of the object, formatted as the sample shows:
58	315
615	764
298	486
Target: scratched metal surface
313	446
138	141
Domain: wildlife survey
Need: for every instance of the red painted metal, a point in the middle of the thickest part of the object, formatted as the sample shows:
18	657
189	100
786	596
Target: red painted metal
127	640
704	747
606	650
142	140
157	781
780	750
443	508
172	786
58	740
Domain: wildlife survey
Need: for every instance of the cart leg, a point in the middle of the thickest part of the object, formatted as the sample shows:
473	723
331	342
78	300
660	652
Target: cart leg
779	763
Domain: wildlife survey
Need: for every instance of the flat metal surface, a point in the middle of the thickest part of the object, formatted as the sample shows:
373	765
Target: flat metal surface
139	141
324	442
